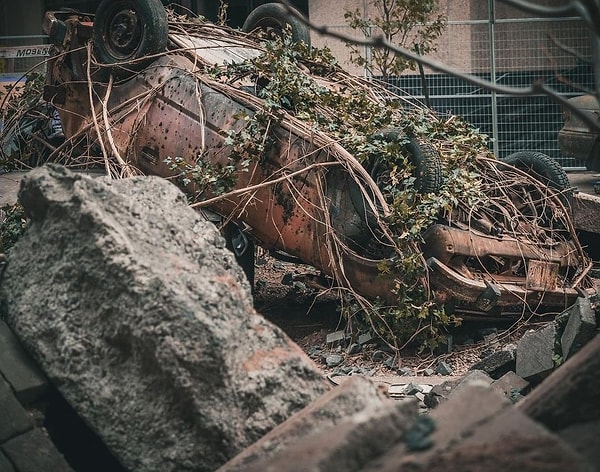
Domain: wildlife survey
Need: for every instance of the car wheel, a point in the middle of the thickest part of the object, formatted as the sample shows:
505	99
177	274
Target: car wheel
428	165
423	156
125	31
545	169
272	18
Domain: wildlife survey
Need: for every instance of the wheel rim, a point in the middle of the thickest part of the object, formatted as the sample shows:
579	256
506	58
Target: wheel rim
124	33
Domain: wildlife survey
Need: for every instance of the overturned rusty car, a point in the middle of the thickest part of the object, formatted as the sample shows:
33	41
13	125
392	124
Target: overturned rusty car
191	101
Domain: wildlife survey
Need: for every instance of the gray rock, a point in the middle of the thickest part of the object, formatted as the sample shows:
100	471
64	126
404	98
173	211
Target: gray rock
336	336
412	389
333	360
441	392
511	385
132	306
535	353
497	363
580	327
443	368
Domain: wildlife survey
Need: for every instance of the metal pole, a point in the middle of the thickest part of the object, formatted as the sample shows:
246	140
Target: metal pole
367	50
491	25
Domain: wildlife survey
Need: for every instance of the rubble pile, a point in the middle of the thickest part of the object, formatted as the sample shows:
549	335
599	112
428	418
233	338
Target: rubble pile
135	311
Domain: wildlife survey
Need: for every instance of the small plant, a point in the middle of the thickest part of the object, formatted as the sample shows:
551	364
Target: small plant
413	24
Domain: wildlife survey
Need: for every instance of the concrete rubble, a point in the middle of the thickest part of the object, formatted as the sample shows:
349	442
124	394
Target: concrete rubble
132	306
139	317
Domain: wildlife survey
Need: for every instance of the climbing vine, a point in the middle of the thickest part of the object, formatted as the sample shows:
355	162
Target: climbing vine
286	78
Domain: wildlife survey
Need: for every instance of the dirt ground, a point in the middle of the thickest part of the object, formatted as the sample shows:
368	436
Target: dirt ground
290	296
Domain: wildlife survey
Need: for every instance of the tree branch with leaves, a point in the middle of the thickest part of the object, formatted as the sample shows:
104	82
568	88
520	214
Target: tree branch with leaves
414	24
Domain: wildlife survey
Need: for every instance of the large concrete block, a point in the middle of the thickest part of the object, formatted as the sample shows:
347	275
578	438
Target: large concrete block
535	353
134	308
580	327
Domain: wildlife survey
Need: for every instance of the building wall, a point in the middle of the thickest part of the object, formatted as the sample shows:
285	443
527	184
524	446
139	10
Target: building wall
19	18
519	43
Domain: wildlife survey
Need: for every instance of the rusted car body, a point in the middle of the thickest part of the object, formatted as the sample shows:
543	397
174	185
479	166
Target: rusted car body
310	205
576	139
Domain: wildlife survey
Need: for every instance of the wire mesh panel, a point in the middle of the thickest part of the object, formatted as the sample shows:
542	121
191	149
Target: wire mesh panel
515	52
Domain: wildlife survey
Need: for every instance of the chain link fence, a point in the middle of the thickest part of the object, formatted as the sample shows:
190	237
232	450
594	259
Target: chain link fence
515	52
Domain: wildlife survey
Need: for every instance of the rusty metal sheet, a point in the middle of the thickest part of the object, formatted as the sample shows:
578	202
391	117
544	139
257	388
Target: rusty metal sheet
213	51
542	275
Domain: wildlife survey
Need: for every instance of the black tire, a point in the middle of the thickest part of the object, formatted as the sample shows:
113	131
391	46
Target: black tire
273	18
544	169
424	157
428	165
126	31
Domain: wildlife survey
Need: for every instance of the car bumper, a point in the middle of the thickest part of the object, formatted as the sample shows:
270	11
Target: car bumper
485	295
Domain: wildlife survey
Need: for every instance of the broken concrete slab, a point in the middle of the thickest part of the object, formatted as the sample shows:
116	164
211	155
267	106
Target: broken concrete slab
336	336
497	363
511	385
440	393
580	327
26	379
349	445
478	429
536	353
443	368
352	396
132	305
570	394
